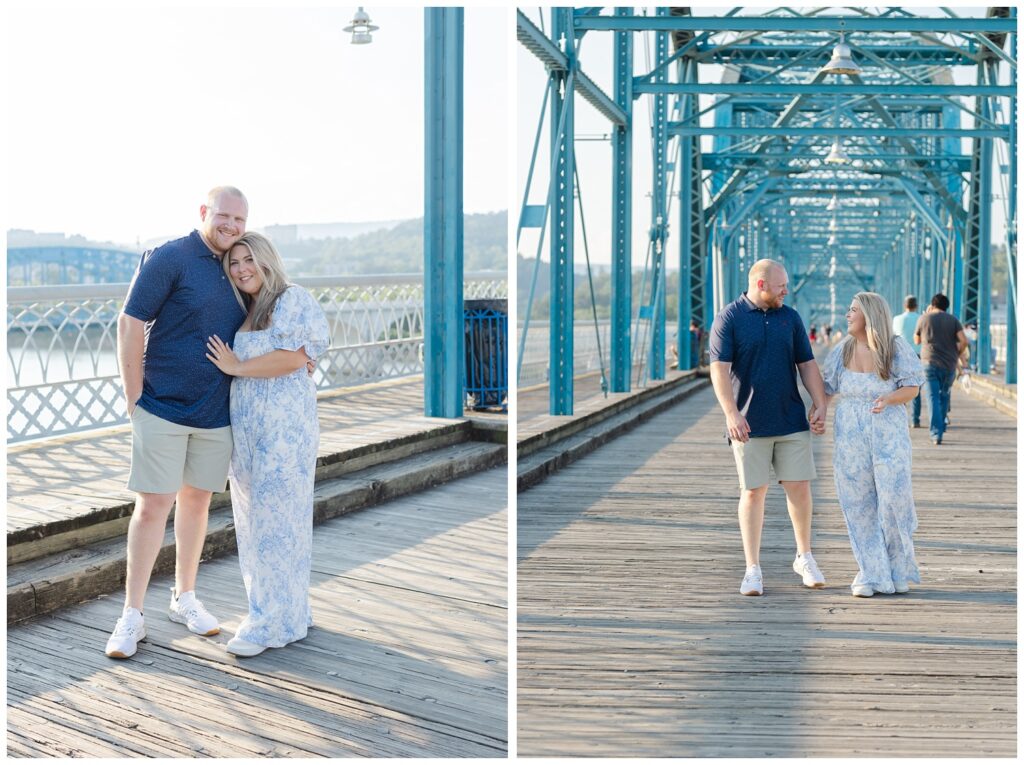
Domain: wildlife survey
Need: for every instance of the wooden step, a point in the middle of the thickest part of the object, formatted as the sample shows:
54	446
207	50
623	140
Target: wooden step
67	577
108	519
995	393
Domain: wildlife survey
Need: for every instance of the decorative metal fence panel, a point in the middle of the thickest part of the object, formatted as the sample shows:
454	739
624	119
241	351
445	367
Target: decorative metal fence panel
486	338
62	345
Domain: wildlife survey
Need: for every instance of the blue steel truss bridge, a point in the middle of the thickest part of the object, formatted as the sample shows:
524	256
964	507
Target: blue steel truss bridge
865	148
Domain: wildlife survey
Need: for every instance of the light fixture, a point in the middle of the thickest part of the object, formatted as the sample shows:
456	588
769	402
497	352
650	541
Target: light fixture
842	59
361	28
838	154
832	240
833	224
833	204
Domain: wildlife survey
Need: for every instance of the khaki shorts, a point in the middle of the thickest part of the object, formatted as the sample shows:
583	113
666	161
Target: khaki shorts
166	456
790	456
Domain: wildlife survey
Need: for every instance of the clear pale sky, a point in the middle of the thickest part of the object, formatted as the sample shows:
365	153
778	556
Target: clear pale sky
120	119
593	150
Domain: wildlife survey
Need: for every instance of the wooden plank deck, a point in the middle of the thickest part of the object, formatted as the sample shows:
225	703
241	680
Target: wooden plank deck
62	478
634	641
532	405
407	658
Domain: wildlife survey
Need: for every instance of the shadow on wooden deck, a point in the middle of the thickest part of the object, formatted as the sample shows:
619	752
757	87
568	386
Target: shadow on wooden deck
634	641
407	658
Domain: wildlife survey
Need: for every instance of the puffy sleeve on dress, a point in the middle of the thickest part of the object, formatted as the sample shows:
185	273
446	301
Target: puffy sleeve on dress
907	371
833	370
298	322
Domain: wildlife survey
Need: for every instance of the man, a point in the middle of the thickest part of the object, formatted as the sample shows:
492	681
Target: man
757	346
178	405
942	341
905	325
696	335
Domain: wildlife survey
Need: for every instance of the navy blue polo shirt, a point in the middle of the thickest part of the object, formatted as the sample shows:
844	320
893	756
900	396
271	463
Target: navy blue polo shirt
764	348
181	291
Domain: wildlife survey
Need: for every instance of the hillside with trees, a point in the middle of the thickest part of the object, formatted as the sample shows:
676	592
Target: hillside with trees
398	249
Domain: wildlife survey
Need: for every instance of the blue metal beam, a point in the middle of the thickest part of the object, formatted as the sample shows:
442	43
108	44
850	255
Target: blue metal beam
642	87
562	204
845	24
659	210
622	208
820	131
443	356
538	44
1011	229
692	255
763	146
763	54
548	53
943	163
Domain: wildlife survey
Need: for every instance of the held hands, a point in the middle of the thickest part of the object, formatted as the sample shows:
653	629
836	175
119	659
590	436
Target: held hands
223	357
816	418
739	430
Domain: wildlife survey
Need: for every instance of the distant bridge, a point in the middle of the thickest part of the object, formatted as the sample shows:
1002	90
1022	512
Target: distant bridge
38	266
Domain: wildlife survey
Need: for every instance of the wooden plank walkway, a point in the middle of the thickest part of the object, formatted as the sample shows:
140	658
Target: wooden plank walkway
407	658
634	641
532	405
62	478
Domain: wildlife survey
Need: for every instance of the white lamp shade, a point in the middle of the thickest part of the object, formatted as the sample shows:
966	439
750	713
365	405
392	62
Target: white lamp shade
838	155
842	60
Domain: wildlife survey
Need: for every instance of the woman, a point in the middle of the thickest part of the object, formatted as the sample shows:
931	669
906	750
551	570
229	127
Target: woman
275	431
875	374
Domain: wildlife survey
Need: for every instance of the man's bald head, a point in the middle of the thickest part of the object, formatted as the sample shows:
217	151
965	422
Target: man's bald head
767	283
764	269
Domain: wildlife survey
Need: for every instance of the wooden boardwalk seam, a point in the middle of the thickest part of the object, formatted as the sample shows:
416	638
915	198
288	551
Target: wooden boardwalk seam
634	641
59	479
407	658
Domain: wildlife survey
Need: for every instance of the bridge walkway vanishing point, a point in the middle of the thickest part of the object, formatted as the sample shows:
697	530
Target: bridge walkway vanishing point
407	656
633	639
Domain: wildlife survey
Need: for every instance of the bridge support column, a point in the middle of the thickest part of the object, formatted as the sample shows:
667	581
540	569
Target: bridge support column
443	354
622	208
978	239
1011	227
562	203
659	208
692	249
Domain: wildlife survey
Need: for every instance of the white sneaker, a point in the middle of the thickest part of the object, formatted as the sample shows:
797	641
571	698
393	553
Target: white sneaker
186	609
752	582
901	587
862	591
240	647
129	630
808	569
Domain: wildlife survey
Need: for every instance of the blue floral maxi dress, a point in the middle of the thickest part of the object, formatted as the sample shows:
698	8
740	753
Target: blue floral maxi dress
871	462
276	435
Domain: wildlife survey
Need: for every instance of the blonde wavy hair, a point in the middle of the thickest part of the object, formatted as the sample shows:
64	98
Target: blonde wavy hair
271	269
878	326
